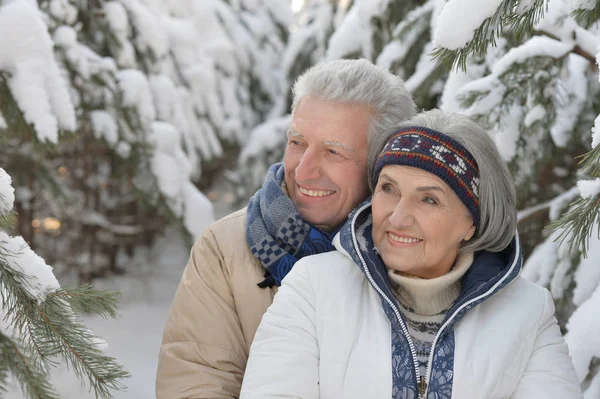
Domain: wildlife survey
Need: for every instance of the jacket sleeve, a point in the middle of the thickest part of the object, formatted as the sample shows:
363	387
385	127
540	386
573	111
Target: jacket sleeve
203	352
284	358
549	373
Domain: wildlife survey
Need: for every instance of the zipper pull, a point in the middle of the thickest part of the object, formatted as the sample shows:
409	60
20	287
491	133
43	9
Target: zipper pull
422	387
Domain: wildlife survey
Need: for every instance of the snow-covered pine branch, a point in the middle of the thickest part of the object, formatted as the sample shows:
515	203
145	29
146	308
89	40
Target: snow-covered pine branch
38	327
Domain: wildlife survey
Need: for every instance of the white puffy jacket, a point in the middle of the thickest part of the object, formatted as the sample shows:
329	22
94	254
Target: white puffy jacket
330	334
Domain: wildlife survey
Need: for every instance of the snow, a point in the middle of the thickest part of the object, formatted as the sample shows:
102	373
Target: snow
117	20
582	335
535	114
423	70
65	36
116	17
596	132
537	46
593	391
490	91
36	82
7	193
63	11
540	265
452	35
105	126
449	101
589	188
571	98
587	276
596	128
39	278
524	6
149	32
198	212
137	93
582	4
265	137
506	138
185	199
350	37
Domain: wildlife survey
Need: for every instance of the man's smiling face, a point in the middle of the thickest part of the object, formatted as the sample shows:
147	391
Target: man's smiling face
326	160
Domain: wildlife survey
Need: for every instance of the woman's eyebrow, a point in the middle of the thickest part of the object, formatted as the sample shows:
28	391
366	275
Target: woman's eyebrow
431	188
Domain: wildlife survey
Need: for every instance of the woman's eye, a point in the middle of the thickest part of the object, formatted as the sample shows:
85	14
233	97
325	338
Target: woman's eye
386	188
431	200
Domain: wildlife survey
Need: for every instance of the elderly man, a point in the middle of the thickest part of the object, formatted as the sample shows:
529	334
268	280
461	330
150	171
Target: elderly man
238	263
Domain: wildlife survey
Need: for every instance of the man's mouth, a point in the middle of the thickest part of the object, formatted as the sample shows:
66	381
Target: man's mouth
315	193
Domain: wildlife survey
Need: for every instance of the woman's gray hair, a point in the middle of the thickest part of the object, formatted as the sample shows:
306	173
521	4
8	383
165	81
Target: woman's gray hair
362	83
497	196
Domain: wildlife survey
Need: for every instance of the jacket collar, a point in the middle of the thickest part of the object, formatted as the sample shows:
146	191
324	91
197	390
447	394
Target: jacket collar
489	273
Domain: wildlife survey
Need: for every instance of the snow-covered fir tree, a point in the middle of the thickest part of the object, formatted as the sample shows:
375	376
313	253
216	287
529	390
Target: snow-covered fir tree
528	72
162	93
39	321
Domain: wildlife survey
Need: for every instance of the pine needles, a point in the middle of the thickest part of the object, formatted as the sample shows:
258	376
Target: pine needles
49	332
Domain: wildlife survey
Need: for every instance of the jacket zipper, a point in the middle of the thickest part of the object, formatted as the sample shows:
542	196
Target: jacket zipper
422	383
487	293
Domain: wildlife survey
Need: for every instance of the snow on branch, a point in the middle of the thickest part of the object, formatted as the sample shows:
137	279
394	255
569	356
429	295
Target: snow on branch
582	337
7	193
35	81
537	46
455	28
462	30
17	255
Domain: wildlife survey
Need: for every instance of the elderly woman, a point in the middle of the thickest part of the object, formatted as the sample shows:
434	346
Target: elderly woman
422	298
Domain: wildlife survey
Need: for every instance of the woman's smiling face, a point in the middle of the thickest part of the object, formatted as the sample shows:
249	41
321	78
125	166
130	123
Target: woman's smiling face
418	222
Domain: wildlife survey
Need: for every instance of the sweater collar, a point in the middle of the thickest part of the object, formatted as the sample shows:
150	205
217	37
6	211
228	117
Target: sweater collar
429	297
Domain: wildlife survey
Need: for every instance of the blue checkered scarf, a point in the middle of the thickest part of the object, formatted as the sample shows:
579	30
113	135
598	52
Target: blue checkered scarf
276	233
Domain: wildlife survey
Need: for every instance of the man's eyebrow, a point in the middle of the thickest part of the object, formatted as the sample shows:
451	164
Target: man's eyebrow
293	133
343	146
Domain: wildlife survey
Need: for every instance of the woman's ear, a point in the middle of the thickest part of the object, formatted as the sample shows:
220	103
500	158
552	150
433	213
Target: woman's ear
470	233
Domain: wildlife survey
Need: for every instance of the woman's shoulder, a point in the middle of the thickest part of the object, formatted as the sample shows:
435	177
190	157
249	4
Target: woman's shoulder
526	291
325	268
521	301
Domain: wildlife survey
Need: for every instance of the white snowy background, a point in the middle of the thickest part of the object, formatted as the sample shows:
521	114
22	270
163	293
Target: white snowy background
188	77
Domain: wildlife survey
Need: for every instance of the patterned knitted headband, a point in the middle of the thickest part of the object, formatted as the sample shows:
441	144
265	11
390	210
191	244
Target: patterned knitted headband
438	154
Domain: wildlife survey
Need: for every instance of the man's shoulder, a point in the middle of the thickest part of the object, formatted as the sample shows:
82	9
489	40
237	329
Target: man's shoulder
232	224
227	236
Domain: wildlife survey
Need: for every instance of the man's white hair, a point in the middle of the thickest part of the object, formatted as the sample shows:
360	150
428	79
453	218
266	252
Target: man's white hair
362	83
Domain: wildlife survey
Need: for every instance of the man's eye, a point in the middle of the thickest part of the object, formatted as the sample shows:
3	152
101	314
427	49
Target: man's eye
333	152
295	142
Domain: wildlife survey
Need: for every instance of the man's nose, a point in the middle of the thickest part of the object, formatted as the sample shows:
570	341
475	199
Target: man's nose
402	216
309	167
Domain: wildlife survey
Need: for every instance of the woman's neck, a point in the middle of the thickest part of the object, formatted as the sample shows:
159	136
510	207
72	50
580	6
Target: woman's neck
431	296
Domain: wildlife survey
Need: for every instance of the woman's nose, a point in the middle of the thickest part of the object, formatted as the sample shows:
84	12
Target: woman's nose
402	216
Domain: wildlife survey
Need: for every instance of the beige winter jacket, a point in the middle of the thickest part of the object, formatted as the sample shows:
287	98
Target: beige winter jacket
215	314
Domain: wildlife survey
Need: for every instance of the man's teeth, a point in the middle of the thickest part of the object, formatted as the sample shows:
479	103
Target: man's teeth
315	193
406	240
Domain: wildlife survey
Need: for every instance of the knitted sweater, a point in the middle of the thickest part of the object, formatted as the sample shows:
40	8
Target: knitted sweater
424	303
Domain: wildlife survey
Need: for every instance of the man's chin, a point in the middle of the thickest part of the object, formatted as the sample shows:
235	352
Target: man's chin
316	219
